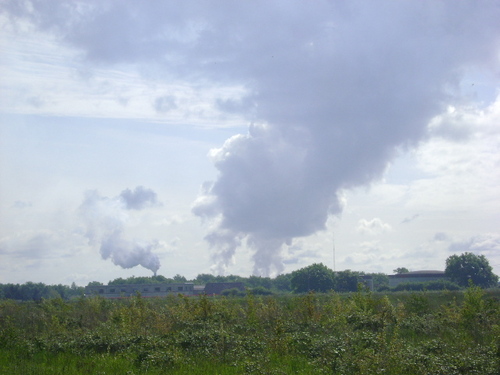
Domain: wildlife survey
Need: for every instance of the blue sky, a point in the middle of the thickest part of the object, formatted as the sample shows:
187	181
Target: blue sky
246	138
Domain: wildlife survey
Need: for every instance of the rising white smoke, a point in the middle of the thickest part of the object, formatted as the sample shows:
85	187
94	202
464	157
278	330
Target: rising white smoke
338	104
105	220
334	90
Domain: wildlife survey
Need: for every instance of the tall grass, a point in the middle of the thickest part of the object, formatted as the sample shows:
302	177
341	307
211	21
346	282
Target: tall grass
357	333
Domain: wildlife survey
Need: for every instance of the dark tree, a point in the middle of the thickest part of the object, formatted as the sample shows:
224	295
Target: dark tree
347	281
204	278
179	279
401	270
282	282
258	281
316	277
380	281
468	266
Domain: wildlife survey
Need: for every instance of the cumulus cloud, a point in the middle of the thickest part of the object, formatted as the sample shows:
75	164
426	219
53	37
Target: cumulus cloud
333	91
373	227
105	220
36	245
484	244
139	198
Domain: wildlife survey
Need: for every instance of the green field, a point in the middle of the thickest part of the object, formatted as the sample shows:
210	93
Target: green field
358	333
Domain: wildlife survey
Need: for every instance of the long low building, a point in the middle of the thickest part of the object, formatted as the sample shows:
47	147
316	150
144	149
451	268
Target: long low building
159	290
416	277
409	277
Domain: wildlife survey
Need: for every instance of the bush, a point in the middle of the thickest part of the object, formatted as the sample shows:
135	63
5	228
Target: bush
441	285
261	291
233	292
414	287
429	285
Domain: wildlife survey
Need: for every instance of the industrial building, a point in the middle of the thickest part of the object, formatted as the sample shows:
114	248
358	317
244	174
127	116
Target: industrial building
409	277
416	277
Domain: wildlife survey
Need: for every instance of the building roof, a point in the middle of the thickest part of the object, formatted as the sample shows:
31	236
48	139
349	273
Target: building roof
424	273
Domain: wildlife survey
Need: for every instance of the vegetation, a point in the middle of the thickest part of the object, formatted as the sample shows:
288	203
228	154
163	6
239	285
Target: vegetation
353	333
460	269
401	270
429	285
316	277
36	291
470	267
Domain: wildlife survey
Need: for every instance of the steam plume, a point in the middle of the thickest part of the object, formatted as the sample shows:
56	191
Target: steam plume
334	109
105	220
334	90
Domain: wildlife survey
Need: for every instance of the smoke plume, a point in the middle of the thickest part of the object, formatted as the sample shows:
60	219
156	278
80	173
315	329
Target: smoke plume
334	89
332	109
106	219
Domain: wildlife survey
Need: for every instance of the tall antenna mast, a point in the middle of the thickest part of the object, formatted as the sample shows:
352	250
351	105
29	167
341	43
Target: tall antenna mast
333	238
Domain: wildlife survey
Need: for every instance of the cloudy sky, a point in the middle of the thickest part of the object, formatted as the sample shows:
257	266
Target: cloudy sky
233	137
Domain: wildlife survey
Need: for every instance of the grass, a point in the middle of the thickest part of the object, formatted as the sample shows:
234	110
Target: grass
358	333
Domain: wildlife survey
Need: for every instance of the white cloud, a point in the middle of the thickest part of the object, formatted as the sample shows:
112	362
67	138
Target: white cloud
373	227
334	93
487	244
43	77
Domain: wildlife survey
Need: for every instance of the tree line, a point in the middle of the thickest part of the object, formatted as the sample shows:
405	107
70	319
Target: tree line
31	291
460	271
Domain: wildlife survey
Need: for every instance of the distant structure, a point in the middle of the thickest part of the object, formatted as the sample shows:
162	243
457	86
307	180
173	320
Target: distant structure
159	290
409	277
416	277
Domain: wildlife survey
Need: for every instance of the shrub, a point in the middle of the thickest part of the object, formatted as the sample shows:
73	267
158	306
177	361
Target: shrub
261	291
441	285
233	292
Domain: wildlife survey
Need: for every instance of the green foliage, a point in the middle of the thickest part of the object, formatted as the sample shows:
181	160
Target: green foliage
314	333
95	283
282	282
316	277
401	270
428	285
204	278
258	281
260	291
179	279
37	291
346	281
233	292
441	285
468	266
380	280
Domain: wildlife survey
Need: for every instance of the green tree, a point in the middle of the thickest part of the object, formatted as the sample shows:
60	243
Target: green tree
401	270
179	279
95	283
255	281
347	281
316	277
380	280
468	266
282	282
204	278
260	291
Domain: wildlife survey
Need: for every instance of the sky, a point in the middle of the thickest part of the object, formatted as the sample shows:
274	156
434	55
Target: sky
247	138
